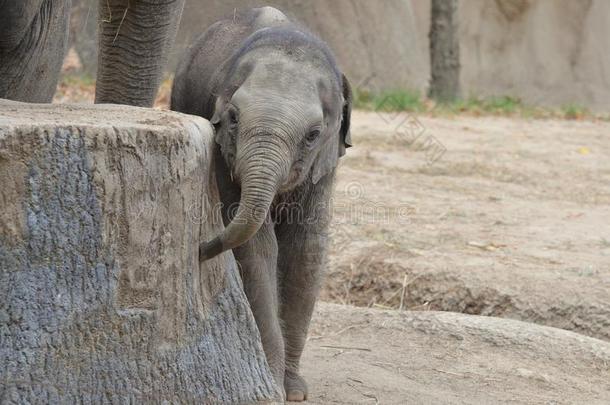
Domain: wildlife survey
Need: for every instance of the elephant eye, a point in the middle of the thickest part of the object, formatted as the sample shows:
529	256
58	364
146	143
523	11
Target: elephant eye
233	119
313	135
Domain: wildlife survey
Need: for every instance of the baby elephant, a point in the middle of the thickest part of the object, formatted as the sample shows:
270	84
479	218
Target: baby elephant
281	110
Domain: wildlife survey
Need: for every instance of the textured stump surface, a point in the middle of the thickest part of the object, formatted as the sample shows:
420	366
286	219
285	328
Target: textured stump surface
102	298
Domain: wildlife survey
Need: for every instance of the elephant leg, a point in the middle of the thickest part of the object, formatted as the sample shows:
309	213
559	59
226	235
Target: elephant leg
135	38
302	256
33	42
257	261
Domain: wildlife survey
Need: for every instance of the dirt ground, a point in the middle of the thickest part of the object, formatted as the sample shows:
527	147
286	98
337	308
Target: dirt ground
512	220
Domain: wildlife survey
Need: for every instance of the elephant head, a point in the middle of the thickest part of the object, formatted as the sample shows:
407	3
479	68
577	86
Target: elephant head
282	117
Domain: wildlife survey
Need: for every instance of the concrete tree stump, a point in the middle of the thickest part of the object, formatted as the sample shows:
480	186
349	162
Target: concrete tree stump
102	297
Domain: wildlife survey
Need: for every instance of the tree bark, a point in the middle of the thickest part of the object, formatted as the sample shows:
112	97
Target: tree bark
102	296
444	51
135	38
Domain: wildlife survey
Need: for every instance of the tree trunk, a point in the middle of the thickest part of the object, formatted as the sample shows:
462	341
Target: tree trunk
135	38
102	296
444	51
33	42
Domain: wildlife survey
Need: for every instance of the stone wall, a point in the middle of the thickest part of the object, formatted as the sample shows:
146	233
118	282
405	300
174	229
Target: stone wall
549	52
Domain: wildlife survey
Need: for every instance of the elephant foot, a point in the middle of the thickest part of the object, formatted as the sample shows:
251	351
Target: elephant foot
295	387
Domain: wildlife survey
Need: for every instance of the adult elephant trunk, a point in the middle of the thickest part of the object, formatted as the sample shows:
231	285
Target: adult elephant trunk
135	38
262	172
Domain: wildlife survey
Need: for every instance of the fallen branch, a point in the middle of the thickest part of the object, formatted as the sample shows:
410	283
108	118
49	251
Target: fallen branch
364	349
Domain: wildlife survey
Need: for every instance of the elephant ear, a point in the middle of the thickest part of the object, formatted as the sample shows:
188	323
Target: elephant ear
329	157
219	106
221	139
346	137
229	83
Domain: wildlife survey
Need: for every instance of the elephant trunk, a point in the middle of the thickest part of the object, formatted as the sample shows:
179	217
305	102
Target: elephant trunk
135	39
261	175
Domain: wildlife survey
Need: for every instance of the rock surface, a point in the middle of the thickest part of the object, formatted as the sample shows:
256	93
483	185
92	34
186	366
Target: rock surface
552	52
358	356
102	295
549	52
376	42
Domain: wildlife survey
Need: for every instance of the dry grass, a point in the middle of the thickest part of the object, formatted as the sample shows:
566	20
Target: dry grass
370	281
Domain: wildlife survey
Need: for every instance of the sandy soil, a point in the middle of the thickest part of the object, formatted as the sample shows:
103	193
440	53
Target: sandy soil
512	220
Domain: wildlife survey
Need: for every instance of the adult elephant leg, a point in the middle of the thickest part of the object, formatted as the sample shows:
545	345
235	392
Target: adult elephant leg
302	241
135	38
33	42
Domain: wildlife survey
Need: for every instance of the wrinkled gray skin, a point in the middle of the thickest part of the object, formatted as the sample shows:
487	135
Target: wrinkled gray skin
33	41
281	110
133	48
135	37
